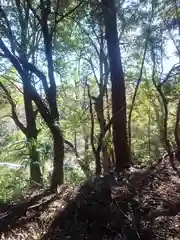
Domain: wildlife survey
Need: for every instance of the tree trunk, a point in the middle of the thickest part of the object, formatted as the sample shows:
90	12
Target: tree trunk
31	135
106	160
35	171
58	145
58	141
120	139
111	150
95	151
176	130
86	166
100	116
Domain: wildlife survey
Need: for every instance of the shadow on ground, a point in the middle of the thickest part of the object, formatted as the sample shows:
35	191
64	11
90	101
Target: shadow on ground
16	215
137	204
133	205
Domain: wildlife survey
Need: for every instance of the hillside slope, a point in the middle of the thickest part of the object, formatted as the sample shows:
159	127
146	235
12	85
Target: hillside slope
138	204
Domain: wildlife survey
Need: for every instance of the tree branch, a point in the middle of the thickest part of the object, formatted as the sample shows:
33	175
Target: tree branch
68	13
175	66
8	31
11	57
138	82
72	147
13	109
37	72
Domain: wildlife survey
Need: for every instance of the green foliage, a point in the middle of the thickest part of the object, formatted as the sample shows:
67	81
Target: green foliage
15	152
73	177
13	184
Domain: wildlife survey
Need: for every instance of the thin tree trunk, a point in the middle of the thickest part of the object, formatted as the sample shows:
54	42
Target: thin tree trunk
164	103
120	139
95	151
137	87
35	171
84	163
149	131
110	131
176	130
100	116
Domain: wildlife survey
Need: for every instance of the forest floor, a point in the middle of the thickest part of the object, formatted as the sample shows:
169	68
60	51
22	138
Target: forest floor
137	204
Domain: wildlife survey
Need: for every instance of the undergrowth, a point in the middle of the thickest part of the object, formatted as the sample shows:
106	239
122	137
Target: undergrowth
13	184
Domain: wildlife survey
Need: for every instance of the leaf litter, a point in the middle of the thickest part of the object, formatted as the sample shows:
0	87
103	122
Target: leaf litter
136	204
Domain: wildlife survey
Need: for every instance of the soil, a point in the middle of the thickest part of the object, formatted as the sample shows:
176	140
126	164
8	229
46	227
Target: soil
137	204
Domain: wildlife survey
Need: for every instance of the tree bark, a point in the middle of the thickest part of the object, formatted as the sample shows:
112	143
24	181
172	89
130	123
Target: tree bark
31	135
35	171
58	140
176	130
120	139
112	159
58	145
95	151
100	116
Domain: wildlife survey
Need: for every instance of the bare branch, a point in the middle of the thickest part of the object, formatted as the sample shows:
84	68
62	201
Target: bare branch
68	13
7	29
11	57
72	147
93	70
91	40
12	82
175	66
171	36
34	11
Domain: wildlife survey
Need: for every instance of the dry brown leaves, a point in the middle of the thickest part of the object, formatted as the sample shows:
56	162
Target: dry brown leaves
132	205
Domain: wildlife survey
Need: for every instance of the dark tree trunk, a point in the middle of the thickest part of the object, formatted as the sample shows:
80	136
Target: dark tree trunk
176	130
118	87
58	140
58	144
31	134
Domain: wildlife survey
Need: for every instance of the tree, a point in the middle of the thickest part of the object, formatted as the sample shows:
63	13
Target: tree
46	17
96	22
30	131
120	139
